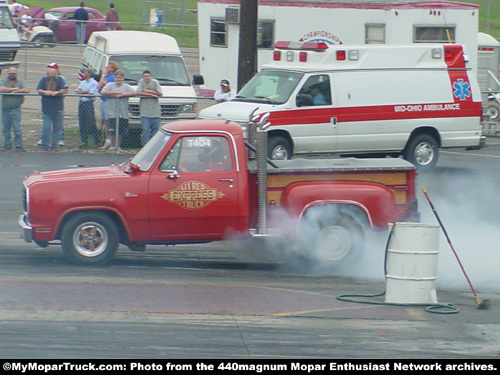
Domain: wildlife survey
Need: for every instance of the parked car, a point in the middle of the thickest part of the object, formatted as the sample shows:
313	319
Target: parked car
66	31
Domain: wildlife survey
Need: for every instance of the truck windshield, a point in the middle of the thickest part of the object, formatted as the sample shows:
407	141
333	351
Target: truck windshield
148	154
270	86
168	70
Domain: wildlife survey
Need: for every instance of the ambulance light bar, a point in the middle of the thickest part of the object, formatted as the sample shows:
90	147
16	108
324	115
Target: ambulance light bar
304	46
450	52
297	46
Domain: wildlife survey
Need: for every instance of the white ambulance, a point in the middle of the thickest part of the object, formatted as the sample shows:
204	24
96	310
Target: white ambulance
379	100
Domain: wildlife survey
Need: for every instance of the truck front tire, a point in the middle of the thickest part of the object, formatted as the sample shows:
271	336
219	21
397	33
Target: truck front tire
422	151
90	239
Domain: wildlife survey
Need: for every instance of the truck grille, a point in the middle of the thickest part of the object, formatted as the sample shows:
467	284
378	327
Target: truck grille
25	199
7	55
167	110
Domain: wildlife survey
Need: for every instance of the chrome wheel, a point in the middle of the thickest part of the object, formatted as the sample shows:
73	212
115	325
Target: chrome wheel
90	239
424	153
279	153
279	148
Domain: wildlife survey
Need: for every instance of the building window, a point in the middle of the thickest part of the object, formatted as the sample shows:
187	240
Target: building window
218	33
375	33
434	34
265	34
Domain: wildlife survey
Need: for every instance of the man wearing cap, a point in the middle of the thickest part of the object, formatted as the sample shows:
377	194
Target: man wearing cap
11	108
52	88
86	114
225	93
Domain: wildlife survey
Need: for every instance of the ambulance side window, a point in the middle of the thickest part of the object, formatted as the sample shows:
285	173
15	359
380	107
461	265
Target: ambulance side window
316	91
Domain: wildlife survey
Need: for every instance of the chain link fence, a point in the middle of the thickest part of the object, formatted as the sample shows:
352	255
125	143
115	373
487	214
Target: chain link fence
78	118
74	123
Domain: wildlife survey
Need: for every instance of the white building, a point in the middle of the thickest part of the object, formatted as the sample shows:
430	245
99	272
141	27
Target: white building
332	21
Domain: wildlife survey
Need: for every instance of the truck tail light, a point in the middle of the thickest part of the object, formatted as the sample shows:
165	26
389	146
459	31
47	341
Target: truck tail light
276	55
341	55
303	56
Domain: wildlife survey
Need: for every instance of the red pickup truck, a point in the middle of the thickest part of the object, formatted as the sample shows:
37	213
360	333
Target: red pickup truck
194	182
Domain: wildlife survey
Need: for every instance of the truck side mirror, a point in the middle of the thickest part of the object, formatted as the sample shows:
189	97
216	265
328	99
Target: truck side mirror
198	79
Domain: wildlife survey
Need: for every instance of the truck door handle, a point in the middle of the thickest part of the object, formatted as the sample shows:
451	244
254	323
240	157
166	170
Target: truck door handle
333	120
230	180
173	175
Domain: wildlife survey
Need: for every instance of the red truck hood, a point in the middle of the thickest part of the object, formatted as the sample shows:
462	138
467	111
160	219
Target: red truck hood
89	173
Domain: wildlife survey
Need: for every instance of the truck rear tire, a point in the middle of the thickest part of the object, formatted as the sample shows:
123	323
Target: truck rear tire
279	148
337	238
90	239
422	151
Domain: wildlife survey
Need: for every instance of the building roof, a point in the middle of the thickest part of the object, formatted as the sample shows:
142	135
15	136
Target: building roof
356	4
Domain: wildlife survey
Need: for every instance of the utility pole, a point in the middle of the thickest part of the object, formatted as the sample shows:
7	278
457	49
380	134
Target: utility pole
247	55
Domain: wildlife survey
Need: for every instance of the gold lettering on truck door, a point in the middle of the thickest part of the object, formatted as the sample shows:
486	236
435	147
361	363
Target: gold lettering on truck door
193	195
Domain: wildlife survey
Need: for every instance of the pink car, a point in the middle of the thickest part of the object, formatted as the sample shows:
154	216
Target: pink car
66	30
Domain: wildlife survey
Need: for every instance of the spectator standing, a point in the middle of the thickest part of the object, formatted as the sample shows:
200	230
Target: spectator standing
225	93
56	67
86	114
107	76
118	93
112	18
149	89
52	89
81	16
11	108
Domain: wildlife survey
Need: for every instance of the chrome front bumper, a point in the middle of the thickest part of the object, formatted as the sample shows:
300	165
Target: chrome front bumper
26	233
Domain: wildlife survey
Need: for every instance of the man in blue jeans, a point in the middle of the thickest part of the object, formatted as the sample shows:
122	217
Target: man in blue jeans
86	113
52	88
149	89
11	108
81	16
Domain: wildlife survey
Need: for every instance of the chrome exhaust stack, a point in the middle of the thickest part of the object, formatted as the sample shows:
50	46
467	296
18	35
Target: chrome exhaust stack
261	133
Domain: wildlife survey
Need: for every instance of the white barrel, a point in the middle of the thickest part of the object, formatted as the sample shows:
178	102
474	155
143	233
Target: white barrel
411	263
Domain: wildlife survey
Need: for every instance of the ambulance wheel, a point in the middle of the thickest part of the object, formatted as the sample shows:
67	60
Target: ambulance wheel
493	111
279	148
334	239
422	151
90	239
